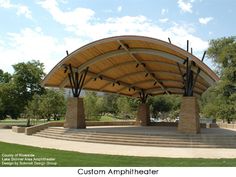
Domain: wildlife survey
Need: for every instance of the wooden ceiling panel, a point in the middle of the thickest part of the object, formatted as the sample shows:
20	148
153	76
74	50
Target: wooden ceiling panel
131	61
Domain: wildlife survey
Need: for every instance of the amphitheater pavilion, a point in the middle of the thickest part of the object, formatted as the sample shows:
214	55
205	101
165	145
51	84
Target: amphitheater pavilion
134	66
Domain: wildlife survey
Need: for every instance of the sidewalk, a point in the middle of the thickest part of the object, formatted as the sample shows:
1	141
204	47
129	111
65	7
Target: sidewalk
7	135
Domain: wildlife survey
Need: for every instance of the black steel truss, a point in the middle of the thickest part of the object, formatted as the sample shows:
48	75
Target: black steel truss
143	96
189	80
76	79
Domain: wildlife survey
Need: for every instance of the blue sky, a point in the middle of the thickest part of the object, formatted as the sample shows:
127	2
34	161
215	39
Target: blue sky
44	30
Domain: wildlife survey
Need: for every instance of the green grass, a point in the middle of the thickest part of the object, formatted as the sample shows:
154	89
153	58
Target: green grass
106	118
22	121
72	159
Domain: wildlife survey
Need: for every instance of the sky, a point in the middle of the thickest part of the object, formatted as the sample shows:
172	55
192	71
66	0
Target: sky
44	29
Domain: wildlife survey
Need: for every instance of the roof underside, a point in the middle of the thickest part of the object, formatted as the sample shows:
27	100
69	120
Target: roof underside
128	64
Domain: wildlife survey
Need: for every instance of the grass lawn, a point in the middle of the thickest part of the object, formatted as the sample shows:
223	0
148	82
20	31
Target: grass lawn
73	159
108	118
22	121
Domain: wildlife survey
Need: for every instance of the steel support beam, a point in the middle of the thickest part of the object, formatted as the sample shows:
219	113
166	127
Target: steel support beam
76	79
143	96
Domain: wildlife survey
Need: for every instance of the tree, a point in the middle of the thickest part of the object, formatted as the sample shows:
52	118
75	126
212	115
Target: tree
165	104
27	80
217	50
9	102
91	102
52	104
124	107
100	106
110	103
28	77
159	105
219	101
5	77
32	110
49	105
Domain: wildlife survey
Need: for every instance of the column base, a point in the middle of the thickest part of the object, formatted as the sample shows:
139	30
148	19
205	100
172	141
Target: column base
75	117
143	117
189	116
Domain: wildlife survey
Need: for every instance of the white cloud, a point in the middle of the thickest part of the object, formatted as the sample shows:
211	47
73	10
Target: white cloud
24	10
164	11
49	50
163	20
92	29
205	20
85	28
20	9
5	4
20	48
119	8
185	5
182	33
77	17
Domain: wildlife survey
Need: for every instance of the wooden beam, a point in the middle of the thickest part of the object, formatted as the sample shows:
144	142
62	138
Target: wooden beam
136	51
131	52
156	91
144	67
127	63
110	80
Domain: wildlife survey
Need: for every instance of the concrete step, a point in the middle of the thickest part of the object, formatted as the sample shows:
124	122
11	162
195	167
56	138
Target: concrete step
156	144
180	136
204	138
140	140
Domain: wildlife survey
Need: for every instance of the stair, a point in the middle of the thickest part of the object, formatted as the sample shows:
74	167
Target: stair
140	139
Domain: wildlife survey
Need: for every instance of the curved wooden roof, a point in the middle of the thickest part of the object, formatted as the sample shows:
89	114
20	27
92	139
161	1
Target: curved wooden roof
128	64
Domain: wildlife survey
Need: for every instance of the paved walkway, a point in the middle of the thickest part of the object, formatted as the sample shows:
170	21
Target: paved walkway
7	135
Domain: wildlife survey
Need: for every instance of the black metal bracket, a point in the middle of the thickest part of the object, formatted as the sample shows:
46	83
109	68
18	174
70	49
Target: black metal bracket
189	80
76	79
187	77
143	96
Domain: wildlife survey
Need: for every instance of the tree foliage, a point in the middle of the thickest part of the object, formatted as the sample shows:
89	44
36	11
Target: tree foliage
219	101
49	105
27	78
123	107
17	90
111	104
5	77
92	106
165	104
8	100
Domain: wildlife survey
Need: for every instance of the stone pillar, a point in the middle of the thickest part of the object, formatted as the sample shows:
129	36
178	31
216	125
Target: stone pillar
189	116
143	117
75	117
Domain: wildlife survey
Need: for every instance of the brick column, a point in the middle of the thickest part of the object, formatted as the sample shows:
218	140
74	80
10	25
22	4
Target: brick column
143	117
75	117
189	116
